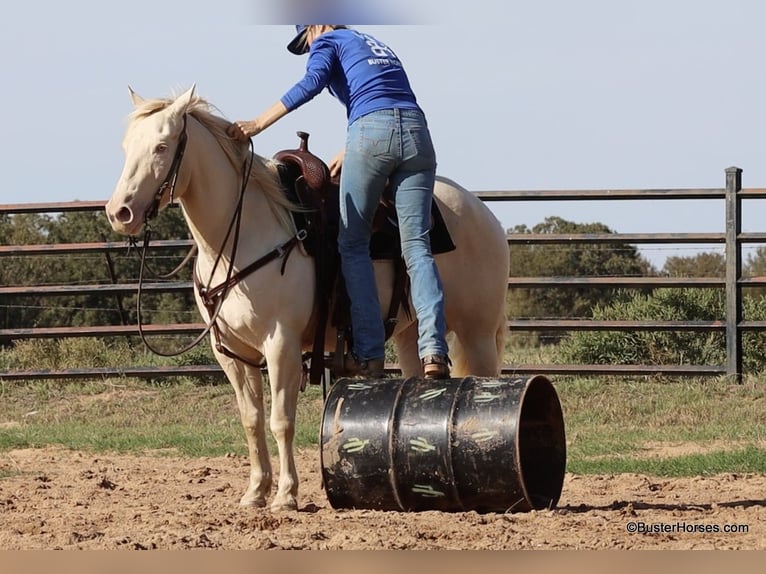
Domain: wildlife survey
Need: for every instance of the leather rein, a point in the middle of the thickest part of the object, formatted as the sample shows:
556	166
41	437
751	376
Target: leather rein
212	297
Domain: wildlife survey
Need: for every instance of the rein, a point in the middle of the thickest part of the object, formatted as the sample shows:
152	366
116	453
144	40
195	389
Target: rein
212	298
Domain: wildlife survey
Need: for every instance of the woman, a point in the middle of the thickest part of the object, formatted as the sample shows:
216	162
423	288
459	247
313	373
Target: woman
387	140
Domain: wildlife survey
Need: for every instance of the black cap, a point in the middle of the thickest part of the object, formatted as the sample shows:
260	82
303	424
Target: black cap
298	45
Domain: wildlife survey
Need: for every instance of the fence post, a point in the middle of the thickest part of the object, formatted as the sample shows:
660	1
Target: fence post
733	274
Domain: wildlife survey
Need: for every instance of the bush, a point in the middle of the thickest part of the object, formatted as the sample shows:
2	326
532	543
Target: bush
657	347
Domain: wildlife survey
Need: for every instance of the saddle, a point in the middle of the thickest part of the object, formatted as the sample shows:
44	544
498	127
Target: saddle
308	184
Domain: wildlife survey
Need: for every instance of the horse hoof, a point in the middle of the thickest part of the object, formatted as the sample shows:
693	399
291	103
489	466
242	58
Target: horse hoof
287	506
248	502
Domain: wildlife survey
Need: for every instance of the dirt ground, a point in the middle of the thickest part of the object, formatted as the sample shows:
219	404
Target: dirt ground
61	499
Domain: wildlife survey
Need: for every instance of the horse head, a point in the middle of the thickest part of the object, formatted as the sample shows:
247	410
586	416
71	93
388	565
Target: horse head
153	145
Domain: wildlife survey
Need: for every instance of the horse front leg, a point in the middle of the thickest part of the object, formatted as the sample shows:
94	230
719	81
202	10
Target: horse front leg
248	388
285	373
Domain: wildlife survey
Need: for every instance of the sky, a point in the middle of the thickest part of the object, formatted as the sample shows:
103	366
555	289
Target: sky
519	95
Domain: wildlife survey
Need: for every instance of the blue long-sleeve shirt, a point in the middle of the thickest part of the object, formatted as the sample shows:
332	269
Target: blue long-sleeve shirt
360	71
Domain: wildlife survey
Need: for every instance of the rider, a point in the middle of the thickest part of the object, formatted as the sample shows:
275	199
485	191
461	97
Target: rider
387	140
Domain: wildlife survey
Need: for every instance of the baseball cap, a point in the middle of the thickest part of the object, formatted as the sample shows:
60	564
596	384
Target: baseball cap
298	45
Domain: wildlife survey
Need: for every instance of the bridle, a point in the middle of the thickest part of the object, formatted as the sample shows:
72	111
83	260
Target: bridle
212	297
170	179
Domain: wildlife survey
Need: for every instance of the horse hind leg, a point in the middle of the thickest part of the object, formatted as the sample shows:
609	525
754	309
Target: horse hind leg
248	389
406	343
477	354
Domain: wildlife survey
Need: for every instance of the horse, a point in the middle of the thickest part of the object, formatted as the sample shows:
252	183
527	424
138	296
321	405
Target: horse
178	147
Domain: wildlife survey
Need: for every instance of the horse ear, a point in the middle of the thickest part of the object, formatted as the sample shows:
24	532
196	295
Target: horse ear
135	98
183	101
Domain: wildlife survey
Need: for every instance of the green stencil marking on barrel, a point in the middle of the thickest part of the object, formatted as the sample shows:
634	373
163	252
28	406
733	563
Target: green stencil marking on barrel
492	384
355	445
427	490
420	444
485	398
484	435
432	394
359	387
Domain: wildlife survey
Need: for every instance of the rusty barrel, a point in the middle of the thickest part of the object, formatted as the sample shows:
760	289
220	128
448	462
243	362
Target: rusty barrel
483	444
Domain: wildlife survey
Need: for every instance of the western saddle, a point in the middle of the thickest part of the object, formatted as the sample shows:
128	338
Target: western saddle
308	184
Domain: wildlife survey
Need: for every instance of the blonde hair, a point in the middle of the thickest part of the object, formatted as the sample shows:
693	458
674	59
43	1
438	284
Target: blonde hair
319	29
333	26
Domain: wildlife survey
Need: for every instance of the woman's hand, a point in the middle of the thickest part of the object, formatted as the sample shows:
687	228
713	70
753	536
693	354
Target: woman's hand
244	130
336	163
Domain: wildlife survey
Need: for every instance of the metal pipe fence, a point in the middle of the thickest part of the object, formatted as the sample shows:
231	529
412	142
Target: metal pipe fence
733	283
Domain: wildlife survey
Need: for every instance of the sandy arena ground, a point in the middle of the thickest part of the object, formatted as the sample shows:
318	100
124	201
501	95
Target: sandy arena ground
61	499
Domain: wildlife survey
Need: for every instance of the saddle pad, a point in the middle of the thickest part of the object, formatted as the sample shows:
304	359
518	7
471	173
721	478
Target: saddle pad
384	245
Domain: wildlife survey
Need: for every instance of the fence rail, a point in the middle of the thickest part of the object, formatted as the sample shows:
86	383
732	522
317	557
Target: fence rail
733	283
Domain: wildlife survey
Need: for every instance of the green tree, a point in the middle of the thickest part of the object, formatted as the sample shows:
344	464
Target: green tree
755	266
701	265
21	229
569	260
755	263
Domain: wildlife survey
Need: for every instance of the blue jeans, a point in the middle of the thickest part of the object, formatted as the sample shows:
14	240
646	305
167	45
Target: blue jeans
392	145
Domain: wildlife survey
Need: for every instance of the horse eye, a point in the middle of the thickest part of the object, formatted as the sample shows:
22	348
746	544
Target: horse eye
161	148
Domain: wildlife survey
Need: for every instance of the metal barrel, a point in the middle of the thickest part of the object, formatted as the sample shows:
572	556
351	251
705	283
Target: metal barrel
482	444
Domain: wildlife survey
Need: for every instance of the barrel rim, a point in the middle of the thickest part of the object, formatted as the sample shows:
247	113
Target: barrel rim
538	380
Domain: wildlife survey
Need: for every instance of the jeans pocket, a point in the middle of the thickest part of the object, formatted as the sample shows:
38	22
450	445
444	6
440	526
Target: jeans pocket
418	144
375	140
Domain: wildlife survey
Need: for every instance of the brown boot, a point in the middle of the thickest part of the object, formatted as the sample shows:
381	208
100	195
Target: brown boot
370	368
436	367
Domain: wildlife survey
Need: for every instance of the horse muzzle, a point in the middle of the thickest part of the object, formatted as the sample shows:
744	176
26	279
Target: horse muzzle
124	217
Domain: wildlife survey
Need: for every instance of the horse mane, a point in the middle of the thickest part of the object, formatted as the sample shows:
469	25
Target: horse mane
263	171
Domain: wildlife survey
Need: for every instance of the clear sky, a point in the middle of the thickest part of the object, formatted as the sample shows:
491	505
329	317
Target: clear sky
539	94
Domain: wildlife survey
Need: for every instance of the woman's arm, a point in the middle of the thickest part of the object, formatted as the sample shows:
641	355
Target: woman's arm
244	130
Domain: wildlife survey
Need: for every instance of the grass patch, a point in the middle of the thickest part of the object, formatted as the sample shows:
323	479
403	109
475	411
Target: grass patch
742	460
611	424
181	418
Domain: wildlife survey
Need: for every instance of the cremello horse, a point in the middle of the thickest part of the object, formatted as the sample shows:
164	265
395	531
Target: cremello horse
268	315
